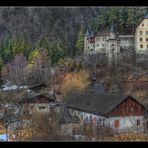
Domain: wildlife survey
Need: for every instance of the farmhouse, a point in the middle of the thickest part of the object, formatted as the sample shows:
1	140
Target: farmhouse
116	111
38	102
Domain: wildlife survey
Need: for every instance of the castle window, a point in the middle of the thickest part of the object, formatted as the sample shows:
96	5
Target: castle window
146	32
146	39
98	45
104	39
141	32
141	45
142	25
141	39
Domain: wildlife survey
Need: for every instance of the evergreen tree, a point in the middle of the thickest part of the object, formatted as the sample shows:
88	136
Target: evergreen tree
56	52
43	43
80	41
1	63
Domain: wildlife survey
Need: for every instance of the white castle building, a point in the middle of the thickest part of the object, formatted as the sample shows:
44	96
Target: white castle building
111	44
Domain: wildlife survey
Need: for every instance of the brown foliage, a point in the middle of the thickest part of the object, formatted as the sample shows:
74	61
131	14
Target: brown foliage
75	81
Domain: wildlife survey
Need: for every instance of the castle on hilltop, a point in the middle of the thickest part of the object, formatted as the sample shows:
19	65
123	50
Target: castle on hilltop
111	44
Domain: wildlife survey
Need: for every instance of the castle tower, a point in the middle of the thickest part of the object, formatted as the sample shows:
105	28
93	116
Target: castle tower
86	41
113	47
89	42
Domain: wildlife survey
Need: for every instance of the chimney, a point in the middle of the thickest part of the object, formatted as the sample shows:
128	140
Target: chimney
93	81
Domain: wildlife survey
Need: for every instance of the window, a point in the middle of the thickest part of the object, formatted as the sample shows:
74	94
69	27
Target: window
90	118
94	120
141	32
146	32
123	123
41	107
98	39
116	123
31	107
103	122
141	39
104	39
146	39
86	120
142	25
141	45
98	121
138	122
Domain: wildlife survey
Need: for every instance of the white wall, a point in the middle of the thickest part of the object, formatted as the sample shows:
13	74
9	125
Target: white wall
36	107
126	123
127	42
83	115
144	36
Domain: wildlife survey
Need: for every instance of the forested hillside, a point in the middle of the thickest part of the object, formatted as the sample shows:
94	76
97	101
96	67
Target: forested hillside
60	24
59	30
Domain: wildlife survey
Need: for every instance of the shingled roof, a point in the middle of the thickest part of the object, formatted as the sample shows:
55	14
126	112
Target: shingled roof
94	103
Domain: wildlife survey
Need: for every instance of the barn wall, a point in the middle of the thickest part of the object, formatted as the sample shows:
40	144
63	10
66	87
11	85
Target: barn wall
128	108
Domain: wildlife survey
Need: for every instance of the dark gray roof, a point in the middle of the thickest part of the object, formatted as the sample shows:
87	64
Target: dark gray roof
94	103
92	34
30	96
87	33
112	28
37	85
97	88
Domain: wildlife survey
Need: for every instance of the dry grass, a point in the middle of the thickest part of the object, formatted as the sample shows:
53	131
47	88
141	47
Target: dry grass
131	137
2	129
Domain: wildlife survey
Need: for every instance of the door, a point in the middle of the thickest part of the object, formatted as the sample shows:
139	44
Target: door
116	123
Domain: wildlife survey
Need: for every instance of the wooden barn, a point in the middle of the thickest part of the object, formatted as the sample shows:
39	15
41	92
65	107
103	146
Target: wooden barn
116	111
38	102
